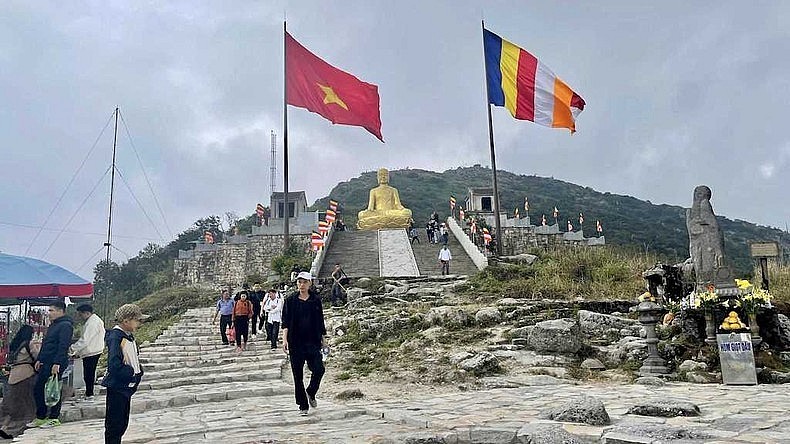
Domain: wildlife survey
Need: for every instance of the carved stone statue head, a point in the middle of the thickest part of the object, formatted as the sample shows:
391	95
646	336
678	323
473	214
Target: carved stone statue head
702	192
383	176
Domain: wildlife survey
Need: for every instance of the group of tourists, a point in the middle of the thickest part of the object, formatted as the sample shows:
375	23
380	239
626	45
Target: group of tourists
249	307
32	365
301	316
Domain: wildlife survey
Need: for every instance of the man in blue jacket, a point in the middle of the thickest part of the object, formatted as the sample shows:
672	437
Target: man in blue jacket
52	361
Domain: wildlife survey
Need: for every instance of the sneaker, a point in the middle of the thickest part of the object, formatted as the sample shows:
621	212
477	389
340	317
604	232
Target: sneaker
303	412
37	422
312	401
50	423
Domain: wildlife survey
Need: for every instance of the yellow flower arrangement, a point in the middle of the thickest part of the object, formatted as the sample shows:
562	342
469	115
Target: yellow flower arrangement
706	299
752	298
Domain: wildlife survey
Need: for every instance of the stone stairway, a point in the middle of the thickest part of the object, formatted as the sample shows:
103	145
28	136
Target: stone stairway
427	254
357	251
195	389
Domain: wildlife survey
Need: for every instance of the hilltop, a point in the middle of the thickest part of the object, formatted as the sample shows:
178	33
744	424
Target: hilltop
627	221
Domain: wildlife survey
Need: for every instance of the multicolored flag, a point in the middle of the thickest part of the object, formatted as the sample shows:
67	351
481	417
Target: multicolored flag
323	227
208	237
461	214
330	216
556	212
336	95
473	226
316	240
543	220
598	226
526	205
333	205
515	213
259	210
486	236
570	226
452	203
581	219
525	86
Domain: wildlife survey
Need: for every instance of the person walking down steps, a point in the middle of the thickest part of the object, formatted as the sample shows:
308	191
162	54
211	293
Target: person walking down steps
225	312
242	313
444	259
274	310
304	333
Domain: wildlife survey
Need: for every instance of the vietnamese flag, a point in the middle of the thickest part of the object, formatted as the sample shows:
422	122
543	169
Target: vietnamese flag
336	95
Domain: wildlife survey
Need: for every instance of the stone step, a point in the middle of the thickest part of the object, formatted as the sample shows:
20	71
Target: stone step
427	255
150	400
206	363
227	351
210	378
181	372
357	251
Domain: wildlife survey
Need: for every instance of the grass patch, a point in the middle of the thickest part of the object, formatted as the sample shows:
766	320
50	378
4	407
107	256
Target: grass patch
779	279
601	273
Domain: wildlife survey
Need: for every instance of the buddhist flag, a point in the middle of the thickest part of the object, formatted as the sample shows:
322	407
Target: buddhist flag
515	213
543	220
556	212
525	86
570	226
333	205
259	210
316	240
323	227
486	236
336	95
598	226
330	216
452	202
461	214
581	219
208	237
526	204
473	226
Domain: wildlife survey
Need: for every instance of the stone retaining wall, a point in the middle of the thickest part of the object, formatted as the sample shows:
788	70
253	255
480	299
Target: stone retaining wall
226	264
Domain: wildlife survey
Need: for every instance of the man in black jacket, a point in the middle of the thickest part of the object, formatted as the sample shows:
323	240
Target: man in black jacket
52	361
304	334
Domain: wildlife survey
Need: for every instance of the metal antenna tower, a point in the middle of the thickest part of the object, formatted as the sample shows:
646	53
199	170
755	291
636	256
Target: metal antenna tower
273	168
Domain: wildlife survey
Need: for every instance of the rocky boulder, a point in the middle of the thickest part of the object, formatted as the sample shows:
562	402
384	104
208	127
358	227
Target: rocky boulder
481	364
555	336
665	408
594	324
545	433
488	316
584	409
447	316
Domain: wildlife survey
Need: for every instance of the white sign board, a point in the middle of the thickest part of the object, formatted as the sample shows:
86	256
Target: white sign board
737	359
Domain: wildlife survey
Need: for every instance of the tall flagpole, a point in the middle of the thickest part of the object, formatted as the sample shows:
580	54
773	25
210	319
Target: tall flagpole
108	244
286	236
493	154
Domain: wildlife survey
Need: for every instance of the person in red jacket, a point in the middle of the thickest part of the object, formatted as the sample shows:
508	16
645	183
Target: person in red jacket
242	312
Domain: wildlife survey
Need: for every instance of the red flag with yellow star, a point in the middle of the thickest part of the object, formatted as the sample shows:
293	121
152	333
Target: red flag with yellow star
317	86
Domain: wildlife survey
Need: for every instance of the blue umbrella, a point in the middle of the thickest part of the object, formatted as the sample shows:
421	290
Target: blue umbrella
27	278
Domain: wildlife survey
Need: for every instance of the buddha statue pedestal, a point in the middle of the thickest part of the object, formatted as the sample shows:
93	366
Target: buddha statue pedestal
384	207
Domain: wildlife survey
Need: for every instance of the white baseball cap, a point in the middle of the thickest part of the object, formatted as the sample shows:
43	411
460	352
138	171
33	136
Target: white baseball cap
305	275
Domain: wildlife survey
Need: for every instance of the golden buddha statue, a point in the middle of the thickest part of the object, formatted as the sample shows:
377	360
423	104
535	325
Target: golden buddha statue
732	322
384	207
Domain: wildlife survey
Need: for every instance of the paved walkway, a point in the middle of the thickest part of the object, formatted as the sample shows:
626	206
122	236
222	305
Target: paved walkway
196	390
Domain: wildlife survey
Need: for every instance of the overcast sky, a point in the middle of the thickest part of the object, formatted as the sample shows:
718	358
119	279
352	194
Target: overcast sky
678	94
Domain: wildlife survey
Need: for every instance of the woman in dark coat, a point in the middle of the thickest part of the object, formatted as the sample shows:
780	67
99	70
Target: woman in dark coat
18	406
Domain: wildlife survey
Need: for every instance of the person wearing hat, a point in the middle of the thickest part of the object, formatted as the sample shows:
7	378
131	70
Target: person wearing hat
304	333
90	346
123	371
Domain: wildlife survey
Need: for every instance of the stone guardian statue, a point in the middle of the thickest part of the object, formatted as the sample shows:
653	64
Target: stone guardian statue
706	241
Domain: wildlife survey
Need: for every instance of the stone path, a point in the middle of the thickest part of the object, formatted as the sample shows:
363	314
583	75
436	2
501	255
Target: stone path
196	390
395	254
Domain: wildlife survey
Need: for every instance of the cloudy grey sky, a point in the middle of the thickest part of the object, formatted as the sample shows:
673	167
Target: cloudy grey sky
678	94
